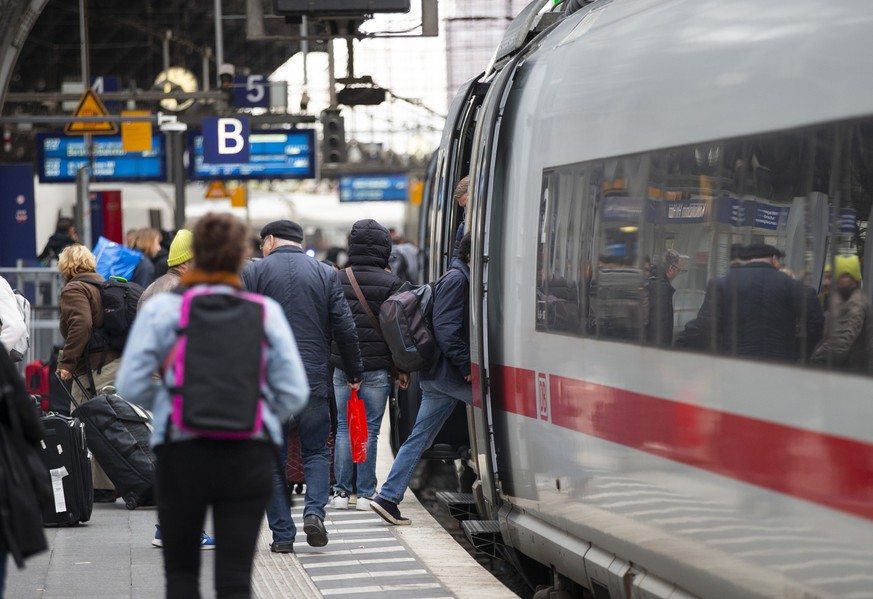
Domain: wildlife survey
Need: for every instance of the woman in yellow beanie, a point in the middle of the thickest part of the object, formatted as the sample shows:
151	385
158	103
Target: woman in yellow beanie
179	261
848	338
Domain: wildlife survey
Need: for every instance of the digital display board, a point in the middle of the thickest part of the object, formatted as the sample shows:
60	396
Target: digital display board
60	156
273	155
374	188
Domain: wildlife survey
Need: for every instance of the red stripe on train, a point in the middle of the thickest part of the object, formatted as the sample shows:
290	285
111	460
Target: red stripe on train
825	469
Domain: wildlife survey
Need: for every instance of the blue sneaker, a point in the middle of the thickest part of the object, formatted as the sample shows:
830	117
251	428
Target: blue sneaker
206	542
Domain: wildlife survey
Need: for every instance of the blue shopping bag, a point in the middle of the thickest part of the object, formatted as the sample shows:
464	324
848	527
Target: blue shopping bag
115	260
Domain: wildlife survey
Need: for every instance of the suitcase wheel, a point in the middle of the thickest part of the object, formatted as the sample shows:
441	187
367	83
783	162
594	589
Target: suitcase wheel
131	501
298	489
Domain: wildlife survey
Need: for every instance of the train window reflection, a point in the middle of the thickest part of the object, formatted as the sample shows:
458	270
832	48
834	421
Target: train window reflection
749	247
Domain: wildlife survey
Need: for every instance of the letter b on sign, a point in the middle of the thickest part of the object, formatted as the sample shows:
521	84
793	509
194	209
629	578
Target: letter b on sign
226	140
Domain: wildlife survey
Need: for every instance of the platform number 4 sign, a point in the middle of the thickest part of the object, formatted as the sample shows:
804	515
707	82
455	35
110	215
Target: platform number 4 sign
543	396
251	91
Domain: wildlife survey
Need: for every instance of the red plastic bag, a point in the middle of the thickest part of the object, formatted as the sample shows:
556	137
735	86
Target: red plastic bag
357	418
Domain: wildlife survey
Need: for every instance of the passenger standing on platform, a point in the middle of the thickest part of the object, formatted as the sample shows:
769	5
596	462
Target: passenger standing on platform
148	241
441	388
179	261
197	471
848	338
460	196
369	250
13	329
82	312
64	236
312	298
23	494
659	286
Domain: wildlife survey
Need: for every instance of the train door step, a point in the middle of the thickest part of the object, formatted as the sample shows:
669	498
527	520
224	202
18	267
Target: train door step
484	535
461	506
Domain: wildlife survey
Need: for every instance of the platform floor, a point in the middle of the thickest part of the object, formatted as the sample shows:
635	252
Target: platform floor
112	557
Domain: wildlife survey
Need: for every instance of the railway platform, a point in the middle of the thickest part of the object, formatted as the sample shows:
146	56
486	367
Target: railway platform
112	557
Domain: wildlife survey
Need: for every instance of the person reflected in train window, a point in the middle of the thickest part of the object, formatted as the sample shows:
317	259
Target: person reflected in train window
754	310
64	236
559	300
848	337
659	287
737	251
460	196
447	383
618	300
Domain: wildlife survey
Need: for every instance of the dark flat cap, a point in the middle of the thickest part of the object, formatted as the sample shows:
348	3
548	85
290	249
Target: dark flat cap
760	250
283	229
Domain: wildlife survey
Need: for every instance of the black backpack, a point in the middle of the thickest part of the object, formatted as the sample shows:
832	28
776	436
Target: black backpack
120	299
219	364
405	318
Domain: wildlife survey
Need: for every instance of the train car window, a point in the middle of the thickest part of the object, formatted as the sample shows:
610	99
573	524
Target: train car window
617	294
751	248
560	260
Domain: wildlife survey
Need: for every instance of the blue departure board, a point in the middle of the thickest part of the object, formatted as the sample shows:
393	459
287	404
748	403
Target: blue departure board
273	155
374	188
60	156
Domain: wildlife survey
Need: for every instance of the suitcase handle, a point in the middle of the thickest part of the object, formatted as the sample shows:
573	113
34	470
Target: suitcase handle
67	391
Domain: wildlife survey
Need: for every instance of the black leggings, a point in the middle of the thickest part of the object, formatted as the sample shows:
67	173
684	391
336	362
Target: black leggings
236	479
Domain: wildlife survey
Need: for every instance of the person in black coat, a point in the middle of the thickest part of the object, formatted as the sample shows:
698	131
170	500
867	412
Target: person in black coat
25	487
368	255
312	298
659	287
755	310
64	236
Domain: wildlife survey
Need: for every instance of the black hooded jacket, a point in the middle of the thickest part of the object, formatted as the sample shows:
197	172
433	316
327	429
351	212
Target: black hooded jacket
369	249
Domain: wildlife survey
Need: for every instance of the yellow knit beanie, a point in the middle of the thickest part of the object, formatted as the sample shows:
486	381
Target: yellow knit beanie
848	265
180	249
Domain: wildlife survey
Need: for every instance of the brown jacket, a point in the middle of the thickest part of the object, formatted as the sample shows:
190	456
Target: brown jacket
848	338
81	312
168	282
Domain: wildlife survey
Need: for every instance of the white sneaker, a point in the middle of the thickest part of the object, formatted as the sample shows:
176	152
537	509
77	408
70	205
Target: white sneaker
363	504
340	501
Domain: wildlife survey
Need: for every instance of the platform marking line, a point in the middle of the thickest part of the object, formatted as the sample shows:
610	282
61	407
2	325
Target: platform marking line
363	562
367	550
376	589
369	574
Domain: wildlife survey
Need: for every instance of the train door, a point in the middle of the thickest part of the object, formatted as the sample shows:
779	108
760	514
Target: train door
440	219
484	195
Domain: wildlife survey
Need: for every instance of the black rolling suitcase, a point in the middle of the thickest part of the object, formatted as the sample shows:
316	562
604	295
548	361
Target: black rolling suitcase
119	434
65	454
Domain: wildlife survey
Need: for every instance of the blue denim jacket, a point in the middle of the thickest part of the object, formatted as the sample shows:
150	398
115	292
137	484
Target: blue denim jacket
153	334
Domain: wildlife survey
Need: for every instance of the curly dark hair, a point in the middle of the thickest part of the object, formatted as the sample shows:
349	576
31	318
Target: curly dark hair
220	243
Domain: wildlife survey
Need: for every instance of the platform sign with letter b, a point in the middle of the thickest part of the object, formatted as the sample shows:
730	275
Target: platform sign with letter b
226	140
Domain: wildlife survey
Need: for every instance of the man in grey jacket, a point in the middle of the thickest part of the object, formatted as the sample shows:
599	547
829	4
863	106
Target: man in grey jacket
312	298
847	343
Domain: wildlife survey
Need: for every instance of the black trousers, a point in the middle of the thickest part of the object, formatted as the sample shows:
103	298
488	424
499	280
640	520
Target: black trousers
235	478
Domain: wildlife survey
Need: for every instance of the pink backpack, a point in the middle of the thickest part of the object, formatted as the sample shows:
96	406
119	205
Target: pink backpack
219	364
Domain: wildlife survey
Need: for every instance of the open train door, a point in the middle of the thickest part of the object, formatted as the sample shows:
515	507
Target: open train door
486	185
439	221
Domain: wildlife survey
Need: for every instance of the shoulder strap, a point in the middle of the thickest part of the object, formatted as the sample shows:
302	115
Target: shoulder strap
362	300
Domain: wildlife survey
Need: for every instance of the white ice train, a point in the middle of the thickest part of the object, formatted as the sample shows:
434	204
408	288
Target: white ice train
601	136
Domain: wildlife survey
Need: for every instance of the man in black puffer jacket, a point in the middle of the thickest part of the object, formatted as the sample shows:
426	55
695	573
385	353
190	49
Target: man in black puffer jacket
369	251
312	298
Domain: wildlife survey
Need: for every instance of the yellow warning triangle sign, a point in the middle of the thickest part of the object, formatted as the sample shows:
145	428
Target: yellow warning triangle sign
90	105
217	191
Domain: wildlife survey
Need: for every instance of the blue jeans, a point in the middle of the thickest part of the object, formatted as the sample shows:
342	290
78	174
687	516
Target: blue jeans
313	429
374	393
437	402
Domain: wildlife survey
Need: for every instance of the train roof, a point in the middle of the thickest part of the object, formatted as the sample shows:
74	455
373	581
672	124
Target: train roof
628	76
